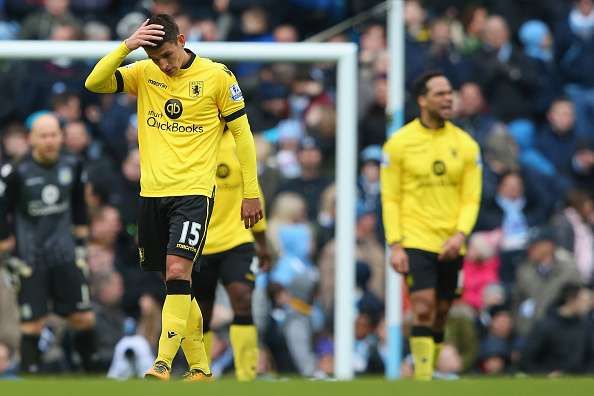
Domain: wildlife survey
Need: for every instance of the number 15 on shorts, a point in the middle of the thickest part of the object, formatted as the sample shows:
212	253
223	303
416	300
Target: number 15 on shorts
193	229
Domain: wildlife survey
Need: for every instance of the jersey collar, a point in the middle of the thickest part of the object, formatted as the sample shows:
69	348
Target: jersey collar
190	61
426	129
431	129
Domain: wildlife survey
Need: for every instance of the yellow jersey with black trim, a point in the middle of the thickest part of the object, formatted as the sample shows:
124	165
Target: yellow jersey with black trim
226	229
180	123
431	181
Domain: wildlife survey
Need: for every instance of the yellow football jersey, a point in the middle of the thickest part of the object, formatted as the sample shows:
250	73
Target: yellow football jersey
431	183
180	123
226	229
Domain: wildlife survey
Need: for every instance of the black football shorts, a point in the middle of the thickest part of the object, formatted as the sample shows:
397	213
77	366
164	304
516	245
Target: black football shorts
61	289
427	272
172	226
238	264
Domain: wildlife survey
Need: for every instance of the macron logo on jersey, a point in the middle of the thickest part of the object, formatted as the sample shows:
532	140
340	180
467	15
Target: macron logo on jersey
157	83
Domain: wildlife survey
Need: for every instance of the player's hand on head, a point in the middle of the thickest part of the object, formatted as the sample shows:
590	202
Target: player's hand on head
251	211
145	35
399	259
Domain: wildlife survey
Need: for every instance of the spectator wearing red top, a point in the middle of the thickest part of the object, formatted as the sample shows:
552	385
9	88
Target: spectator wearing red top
481	267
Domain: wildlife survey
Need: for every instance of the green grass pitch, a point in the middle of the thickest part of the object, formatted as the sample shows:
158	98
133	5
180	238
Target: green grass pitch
299	387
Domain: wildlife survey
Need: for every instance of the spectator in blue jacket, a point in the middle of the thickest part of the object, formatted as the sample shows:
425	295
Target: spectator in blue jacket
558	142
474	116
575	54
537	40
294	280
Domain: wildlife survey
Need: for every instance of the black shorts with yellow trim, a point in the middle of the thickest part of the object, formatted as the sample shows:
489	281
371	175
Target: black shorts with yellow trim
427	272
172	226
238	264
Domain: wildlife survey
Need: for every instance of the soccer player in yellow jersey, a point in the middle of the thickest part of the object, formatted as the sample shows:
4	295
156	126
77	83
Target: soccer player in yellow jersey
430	186
184	103
230	256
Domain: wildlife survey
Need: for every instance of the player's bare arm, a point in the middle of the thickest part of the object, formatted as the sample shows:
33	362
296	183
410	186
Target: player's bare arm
262	251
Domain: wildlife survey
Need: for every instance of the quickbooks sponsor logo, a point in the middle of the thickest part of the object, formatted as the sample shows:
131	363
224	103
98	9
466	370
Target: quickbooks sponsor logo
167	126
174	108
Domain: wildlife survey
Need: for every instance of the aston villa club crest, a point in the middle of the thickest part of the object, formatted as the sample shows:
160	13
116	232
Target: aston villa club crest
196	88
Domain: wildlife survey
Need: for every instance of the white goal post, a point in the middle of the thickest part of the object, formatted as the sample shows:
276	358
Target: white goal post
345	55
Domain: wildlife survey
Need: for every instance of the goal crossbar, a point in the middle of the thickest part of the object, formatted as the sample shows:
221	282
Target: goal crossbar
345	55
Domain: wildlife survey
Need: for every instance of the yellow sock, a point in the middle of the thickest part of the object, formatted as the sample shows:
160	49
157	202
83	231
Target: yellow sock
423	351
436	351
438	337
207	338
192	344
173	320
244	341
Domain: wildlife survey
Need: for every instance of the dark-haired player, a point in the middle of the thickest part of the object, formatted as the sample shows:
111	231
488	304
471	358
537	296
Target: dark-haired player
184	104
431	186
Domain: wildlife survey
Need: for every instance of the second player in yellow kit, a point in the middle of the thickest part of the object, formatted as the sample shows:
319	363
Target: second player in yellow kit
231	256
226	230
434	189
184	104
431	187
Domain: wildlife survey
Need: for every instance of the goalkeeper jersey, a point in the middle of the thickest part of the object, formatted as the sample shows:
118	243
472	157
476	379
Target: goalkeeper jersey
430	185
226	229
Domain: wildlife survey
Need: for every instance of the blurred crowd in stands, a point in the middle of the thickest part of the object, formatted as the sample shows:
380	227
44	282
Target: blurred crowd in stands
524	81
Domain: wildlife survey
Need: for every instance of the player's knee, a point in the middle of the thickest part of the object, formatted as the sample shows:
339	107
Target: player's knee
178	269
82	320
423	310
242	307
175	273
33	326
241	298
